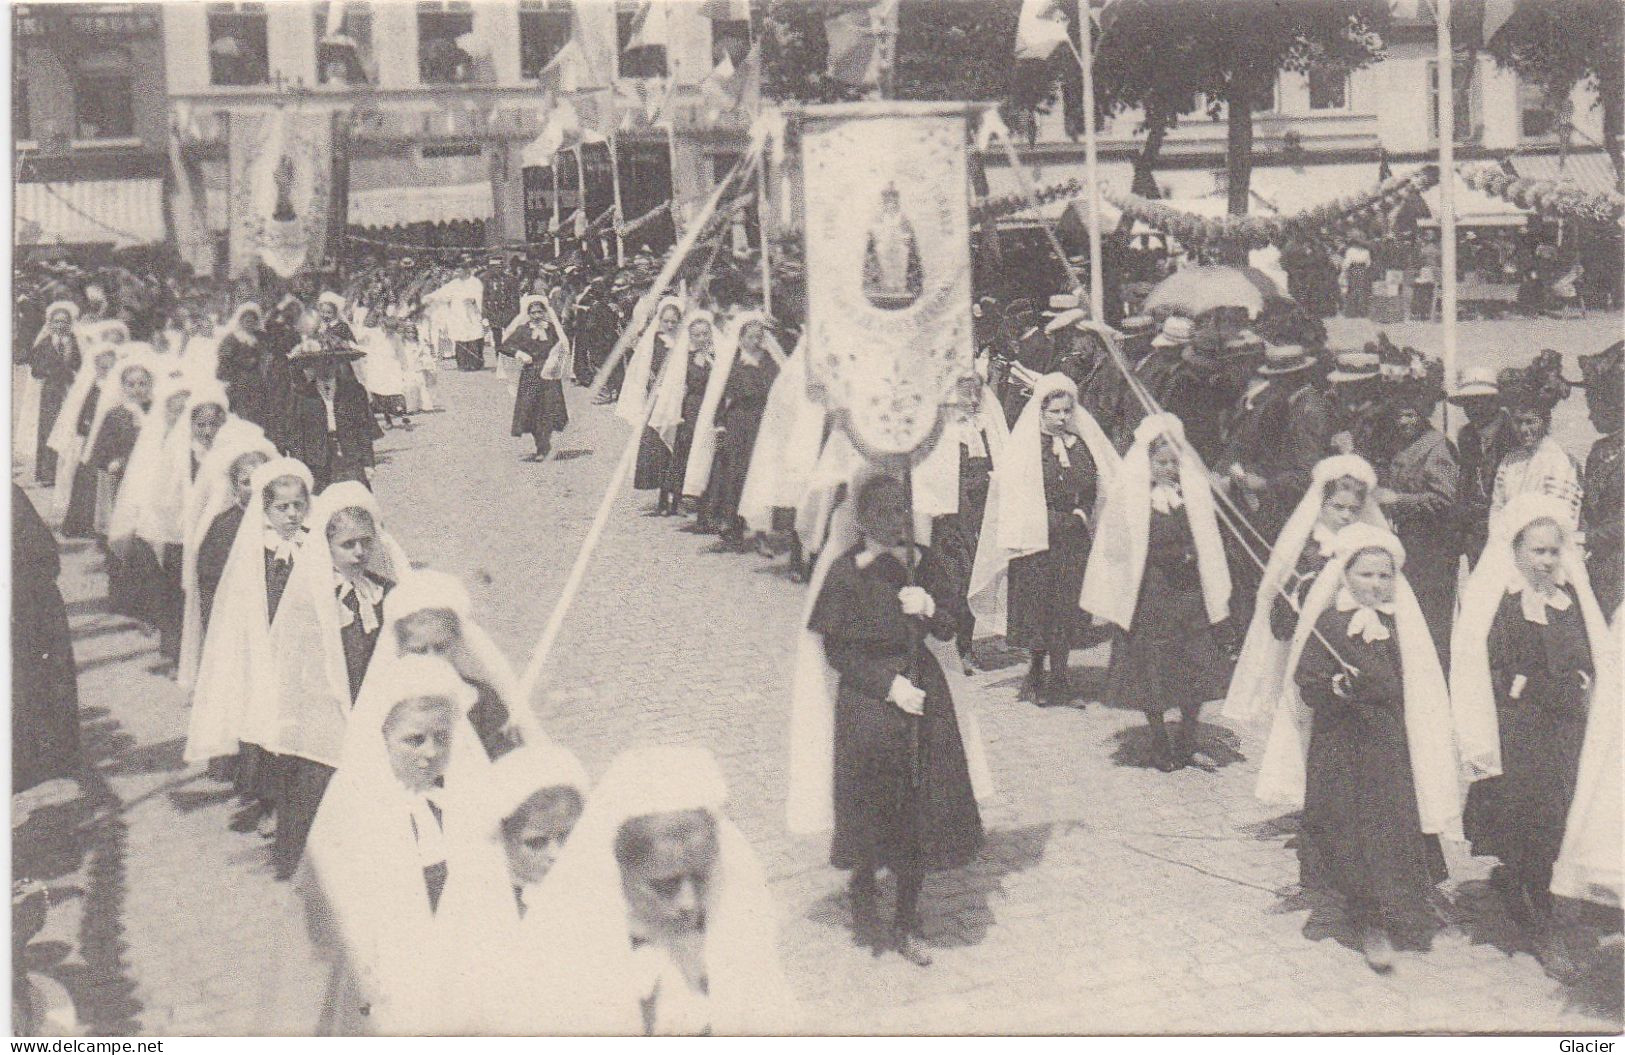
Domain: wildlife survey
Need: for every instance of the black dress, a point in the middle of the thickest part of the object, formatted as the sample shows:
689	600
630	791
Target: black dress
744	400
1170	656
113	445
1044	587
44	680
1362	832
1283	617
341	453
211	558
653	457
1519	816
693	395
538	409
53	366
80	520
882	819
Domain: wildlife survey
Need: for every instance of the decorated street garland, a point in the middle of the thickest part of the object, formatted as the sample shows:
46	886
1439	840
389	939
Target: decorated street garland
1010	204
1547	197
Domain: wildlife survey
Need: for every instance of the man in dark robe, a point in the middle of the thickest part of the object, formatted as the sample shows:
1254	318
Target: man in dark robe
44	681
1605	476
1485	438
53	361
1277	432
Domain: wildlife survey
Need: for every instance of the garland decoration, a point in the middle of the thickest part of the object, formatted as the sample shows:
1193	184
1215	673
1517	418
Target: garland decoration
1549	198
1257	232
1010	204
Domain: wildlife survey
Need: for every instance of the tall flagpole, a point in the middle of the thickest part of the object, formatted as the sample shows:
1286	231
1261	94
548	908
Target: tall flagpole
1447	196
1085	56
615	182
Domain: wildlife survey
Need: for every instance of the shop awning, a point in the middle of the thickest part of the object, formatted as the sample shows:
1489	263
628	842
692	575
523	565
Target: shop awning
1591	172
400	206
123	212
1474	208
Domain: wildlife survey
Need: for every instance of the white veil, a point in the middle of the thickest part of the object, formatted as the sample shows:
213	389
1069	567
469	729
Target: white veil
139	487
1015	521
1282	774
702	453
1256	684
1589	865
629	407
1111	582
668	407
234	694
787	446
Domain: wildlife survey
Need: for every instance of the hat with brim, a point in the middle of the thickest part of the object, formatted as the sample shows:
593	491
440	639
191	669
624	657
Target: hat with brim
1476	384
1062	302
315	352
1353	367
1065	319
1285	359
1137	325
1176	330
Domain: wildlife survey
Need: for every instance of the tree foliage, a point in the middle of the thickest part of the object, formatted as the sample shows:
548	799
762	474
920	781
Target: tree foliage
1564	43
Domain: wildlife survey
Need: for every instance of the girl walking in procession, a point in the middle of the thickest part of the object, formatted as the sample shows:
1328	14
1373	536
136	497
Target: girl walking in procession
677	407
1526	654
1158	574
541	351
645	374
1361	741
1036	532
880	755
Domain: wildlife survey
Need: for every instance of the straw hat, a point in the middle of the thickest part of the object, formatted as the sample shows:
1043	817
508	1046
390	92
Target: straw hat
1477	383
1356	366
1176	330
1285	359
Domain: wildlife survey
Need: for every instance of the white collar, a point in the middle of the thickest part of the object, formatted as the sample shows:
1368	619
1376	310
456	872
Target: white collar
1366	624
281	548
368	593
1166	498
868	556
1060	443
1323	535
431	836
1534	602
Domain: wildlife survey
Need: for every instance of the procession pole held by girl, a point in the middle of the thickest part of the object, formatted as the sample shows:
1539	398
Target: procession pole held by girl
916	762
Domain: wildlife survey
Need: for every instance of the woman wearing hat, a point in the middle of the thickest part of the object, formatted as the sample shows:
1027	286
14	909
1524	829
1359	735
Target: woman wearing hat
331	427
1483	441
1537	465
541	349
1418	487
53	362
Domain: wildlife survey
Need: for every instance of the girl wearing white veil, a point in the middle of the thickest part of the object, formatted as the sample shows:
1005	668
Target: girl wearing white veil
429	613
519	818
234	697
1036	533
1524	659
702	452
127	535
377	862
1342	489
74	499
678	402
786	453
322	640
1362	743
756	359
1588	866
658	918
864	665
645	374
118	424
1158	574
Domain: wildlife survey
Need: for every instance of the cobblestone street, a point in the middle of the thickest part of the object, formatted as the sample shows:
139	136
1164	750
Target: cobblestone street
1111	898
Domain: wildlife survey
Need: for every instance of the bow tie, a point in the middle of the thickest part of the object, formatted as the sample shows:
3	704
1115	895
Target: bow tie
869	556
280	548
1059	444
368	594
1166	499
1366	623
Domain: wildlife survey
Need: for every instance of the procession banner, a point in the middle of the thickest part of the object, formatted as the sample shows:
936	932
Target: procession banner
888	269
280	176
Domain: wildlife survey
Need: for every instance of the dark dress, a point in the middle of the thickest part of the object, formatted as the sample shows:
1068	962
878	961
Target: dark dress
80	520
489	717
1600	512
653	457
44	680
693	395
344	453
538	409
1283	617
211	558
1519	815
744	399
303	781
882	819
1362	832
114	444
1170	657
1044	587
53	366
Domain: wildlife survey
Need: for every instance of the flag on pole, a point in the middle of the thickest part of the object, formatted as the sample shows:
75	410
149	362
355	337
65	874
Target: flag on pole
1496	13
856	42
594	29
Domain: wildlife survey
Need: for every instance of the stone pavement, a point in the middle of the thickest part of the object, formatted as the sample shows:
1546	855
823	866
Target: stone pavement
1111	898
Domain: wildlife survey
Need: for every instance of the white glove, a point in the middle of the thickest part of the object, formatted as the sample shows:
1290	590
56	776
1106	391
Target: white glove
524	358
907	696
916	601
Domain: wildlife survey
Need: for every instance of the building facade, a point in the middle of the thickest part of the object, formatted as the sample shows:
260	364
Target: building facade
89	121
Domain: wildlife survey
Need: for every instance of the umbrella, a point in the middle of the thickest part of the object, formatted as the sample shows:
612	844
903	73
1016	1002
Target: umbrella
1198	290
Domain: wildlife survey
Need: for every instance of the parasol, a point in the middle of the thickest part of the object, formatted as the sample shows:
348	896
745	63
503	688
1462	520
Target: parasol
1198	290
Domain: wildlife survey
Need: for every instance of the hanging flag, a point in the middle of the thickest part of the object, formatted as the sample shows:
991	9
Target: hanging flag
1041	29
564	72
1496	13
857	43
652	26
594	29
725	10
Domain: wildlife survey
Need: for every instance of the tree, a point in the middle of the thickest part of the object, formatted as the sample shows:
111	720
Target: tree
1170	57
1561	44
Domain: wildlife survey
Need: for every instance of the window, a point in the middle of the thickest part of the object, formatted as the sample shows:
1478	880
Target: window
648	60
237	53
1328	88
544	29
22	124
103	99
1465	97
441	60
343	42
1542	113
